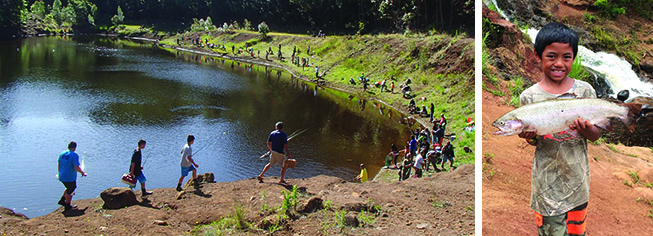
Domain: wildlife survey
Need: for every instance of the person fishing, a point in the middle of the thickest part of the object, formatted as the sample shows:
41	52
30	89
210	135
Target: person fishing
278	146
187	163
136	169
561	176
68	164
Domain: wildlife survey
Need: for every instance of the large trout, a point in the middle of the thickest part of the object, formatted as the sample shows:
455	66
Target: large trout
556	115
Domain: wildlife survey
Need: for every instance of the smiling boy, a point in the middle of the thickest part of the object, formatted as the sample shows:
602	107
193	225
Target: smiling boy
560	174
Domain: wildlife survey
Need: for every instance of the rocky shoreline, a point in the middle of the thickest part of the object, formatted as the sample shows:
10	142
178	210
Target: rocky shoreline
440	204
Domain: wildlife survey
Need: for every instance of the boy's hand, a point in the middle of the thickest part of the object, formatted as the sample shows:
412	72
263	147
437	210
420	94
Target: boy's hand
585	128
196	165
527	134
580	125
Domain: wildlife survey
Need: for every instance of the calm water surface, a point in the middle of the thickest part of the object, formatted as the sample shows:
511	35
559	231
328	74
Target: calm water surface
106	94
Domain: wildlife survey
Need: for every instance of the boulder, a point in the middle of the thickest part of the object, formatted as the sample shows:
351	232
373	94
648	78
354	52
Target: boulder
351	220
209	177
116	198
356	206
312	205
580	3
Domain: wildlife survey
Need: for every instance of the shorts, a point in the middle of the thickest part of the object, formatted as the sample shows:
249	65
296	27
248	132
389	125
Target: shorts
277	159
185	170
447	157
70	187
570	223
141	178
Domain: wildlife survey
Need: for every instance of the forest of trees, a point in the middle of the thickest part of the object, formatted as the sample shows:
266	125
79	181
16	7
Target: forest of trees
300	16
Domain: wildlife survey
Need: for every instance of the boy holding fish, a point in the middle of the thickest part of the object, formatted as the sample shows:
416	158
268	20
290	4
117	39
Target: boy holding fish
560	173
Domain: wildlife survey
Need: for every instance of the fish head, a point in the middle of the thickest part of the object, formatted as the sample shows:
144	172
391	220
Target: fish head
508	126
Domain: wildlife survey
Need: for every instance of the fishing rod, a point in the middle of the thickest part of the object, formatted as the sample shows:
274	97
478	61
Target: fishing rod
291	136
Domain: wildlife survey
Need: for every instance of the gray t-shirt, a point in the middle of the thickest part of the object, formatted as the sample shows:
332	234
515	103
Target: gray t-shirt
185	153
560	178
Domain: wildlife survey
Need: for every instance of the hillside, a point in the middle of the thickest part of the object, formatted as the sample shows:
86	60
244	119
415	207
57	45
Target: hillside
440	67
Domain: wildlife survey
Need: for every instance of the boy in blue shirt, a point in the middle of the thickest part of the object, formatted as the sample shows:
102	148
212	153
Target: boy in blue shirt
68	165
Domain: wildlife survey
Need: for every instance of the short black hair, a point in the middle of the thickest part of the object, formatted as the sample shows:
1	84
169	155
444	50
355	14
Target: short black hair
141	142
279	125
190	138
72	145
555	32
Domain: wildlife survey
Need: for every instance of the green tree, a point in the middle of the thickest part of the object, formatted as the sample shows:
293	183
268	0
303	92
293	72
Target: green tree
38	9
263	30
57	12
118	18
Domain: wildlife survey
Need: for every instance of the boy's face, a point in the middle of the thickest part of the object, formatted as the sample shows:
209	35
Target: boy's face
557	59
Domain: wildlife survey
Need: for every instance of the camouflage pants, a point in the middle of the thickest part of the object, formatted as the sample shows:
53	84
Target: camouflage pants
570	223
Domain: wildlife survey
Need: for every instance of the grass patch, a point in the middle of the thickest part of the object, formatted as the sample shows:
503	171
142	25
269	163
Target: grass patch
516	90
634	176
227	225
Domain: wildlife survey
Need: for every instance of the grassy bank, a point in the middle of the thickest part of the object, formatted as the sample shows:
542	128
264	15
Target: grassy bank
439	66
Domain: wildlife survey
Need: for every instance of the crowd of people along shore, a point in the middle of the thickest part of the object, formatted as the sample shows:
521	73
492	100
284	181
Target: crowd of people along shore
425	148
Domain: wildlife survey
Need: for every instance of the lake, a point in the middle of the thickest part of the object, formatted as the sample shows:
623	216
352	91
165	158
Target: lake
107	93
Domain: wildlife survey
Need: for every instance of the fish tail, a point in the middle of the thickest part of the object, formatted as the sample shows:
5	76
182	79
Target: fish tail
634	112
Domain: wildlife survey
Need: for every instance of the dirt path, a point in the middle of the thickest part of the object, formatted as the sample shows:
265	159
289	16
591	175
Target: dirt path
438	205
614	208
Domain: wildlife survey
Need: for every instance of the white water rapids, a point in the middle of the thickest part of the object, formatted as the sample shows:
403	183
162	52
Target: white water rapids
616	71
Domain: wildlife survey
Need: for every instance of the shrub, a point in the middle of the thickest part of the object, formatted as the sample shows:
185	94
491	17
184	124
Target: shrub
263	30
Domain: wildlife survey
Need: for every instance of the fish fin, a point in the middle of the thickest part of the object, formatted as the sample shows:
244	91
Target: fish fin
634	112
567	96
604	124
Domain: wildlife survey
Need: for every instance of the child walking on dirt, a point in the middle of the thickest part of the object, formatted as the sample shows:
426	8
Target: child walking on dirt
136	169
187	162
561	177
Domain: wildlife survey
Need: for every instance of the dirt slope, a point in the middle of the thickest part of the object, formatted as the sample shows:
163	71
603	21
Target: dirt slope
614	208
441	204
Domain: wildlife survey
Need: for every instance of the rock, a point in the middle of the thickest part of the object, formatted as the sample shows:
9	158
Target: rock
423	225
580	3
355	207
526	11
389	205
160	222
116	198
467	149
209	177
351	220
312	205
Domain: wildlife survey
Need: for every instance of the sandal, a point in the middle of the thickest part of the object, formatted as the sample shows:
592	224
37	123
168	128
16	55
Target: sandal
260	179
